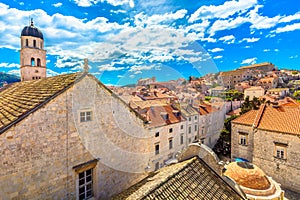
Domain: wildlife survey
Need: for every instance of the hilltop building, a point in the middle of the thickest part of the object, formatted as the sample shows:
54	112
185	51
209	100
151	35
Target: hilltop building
32	54
230	78
269	137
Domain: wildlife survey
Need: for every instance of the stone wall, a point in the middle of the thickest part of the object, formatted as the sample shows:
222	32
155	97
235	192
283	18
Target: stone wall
39	153
285	171
238	150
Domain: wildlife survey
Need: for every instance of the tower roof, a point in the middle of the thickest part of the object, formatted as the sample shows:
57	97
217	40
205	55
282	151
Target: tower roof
33	31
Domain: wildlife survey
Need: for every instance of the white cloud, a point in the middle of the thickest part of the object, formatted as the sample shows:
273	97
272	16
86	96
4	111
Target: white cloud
142	19
108	67
293	57
226	24
218	57
223	11
229	39
57	4
261	22
15	72
287	28
266	50
51	73
216	50
209	39
249	61
9	65
88	3
140	68
250	40
290	18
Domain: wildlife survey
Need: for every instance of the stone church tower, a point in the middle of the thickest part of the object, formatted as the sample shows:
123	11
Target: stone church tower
32	54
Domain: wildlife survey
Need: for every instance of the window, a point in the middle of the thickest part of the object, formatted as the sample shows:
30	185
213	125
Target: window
243	138
157	134
280	150
156	149
170	143
280	153
196	127
181	139
85	184
190	129
170	130
38	62
26	42
195	117
32	62
190	118
181	127
34	43
85	116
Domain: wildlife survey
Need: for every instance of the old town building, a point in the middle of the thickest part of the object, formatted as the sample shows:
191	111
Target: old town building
269	137
57	143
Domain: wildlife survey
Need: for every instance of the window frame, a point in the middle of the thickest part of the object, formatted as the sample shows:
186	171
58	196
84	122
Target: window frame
87	185
243	138
170	143
85	117
280	150
83	168
156	149
181	139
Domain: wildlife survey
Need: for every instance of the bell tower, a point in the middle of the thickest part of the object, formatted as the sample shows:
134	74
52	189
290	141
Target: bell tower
32	54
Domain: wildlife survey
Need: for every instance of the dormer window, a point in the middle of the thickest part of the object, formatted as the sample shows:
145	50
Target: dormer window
164	115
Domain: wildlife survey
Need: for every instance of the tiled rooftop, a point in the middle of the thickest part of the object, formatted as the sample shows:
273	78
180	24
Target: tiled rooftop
18	100
281	119
190	179
155	115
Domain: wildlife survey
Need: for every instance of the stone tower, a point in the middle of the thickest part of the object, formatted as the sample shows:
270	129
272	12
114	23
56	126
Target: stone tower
32	54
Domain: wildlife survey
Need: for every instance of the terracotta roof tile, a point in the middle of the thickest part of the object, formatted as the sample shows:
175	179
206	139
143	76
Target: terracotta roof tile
281	119
19	99
155	115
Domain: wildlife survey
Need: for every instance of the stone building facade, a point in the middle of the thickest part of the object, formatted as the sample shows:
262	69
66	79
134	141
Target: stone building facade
69	137
269	137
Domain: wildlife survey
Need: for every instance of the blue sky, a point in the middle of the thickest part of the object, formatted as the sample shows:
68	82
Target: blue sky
126	40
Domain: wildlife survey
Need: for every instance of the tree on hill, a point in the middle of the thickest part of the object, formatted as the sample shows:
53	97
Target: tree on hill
250	105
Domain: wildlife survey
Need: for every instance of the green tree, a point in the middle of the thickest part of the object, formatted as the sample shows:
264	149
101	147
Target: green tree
297	94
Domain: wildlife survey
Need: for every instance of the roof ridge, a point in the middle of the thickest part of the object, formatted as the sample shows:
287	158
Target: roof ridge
258	116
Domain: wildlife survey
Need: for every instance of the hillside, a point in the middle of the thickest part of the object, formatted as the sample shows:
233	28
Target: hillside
8	78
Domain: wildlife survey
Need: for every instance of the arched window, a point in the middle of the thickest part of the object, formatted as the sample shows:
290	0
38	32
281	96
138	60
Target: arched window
34	43
32	62
38	62
26	42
